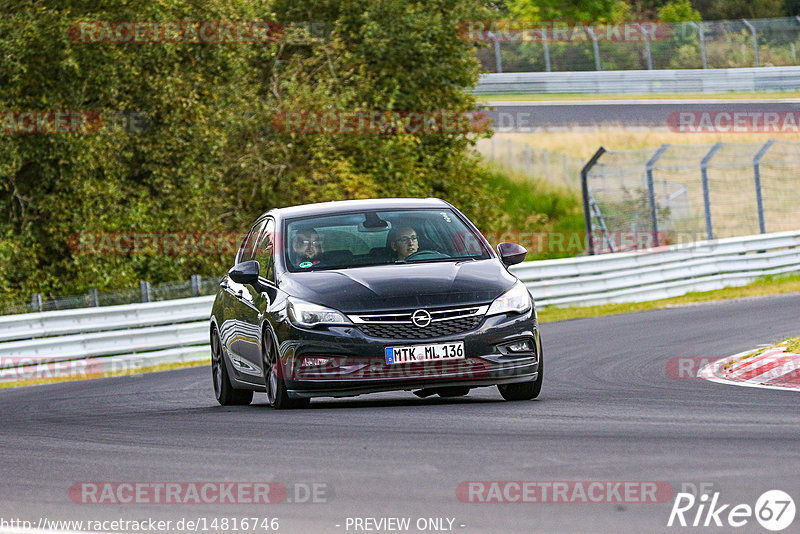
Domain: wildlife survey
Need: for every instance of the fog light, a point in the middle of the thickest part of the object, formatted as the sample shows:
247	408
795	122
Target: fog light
523	345
316	362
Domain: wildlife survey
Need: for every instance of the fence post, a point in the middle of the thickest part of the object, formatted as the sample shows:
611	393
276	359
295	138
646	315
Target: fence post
755	42
36	302
94	298
595	48
587	214
498	60
546	51
647	47
702	43
706	196
757	177
146	294
196	285
652	191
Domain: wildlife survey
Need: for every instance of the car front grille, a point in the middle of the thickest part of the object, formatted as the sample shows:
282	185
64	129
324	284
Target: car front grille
398	325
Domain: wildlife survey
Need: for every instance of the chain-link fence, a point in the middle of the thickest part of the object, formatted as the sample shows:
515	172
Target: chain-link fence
555	168
146	292
685	45
683	193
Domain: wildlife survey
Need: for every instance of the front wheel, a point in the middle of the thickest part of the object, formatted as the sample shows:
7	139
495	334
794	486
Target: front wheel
523	390
223	390
277	395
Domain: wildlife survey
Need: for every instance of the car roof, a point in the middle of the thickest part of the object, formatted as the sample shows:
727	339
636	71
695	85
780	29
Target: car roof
345	206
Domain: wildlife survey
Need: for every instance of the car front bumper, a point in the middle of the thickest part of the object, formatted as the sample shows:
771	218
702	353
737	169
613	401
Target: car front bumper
354	363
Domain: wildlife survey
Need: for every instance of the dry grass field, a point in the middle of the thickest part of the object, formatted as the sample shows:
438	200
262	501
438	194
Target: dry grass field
583	142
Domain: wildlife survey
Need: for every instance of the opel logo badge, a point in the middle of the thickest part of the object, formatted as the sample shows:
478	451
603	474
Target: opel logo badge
421	318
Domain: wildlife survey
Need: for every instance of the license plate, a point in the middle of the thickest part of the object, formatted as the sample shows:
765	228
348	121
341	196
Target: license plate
424	353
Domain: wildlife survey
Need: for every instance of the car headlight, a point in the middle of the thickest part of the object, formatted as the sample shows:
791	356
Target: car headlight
306	314
516	299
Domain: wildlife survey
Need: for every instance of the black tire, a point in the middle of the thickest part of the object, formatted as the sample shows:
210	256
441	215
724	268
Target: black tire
277	396
453	391
523	390
223	390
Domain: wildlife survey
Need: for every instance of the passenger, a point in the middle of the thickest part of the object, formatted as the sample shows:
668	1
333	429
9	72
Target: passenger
307	248
403	241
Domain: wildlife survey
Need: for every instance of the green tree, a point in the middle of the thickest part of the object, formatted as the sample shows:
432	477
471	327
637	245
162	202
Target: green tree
678	11
209	158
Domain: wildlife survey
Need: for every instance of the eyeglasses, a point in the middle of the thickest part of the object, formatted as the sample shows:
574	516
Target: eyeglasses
407	239
307	242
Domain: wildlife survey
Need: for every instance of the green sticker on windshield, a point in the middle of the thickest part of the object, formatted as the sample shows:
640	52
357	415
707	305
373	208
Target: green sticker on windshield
306	264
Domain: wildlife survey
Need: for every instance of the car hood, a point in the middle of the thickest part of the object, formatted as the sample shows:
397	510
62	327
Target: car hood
401	286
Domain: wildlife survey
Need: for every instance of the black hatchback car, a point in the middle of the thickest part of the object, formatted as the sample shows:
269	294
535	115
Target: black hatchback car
343	298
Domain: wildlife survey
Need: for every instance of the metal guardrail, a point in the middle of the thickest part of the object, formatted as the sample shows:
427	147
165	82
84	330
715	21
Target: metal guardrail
87	320
643	81
668	272
112	338
177	331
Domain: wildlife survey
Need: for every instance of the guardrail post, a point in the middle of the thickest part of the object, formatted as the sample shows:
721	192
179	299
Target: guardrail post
652	191
706	196
595	48
36	302
146	294
755	42
700	32
587	214
94	298
196	285
757	178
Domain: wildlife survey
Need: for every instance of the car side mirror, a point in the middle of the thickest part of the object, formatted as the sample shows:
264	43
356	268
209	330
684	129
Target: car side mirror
511	253
245	273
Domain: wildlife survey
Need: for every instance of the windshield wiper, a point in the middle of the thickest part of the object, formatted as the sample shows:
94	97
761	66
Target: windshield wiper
432	260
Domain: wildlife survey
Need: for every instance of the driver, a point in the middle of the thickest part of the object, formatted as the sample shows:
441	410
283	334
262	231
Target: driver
403	241
307	248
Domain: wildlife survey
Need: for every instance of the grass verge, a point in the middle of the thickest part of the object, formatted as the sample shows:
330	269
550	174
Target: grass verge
89	376
793	345
768	285
533	206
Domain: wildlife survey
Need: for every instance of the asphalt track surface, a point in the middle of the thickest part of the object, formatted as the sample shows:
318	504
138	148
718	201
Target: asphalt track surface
608	411
522	116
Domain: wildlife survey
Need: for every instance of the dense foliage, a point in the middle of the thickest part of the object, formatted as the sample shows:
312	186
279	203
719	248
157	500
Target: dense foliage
207	157
189	142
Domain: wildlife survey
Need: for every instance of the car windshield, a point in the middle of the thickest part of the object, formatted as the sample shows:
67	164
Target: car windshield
380	238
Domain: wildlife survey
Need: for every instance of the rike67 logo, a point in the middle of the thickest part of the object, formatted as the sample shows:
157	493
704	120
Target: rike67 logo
774	510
